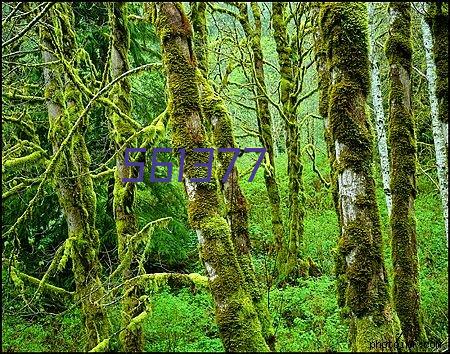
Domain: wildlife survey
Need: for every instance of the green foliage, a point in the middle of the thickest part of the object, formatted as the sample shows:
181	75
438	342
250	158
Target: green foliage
306	318
182	322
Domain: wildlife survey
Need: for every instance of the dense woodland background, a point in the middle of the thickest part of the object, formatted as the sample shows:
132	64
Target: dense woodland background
312	255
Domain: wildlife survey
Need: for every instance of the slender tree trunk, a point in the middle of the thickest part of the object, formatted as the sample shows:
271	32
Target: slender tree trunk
220	122
295	167
439	29
265	126
439	139
344	29
73	180
403	184
377	102
236	317
124	193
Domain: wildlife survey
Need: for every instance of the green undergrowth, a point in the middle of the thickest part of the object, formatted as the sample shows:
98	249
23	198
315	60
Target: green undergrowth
306	315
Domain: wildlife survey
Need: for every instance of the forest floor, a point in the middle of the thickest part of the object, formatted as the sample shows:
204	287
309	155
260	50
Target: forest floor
306	315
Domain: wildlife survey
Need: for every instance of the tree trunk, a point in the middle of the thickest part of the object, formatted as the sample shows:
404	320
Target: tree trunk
324	80
295	167
236	317
377	102
344	30
438	134
264	126
220	122
403	184
72	176
439	28
131	337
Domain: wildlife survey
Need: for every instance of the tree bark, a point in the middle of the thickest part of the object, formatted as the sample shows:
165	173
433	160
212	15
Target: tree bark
438	134
264	125
324	81
377	102
236	317
439	29
72	177
295	167
403	184
236	206
344	29
131	337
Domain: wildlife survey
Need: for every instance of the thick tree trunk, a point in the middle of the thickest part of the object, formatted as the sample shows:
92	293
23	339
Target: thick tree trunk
295	167
73	180
344	29
377	102
403	184
236	317
438	134
124	193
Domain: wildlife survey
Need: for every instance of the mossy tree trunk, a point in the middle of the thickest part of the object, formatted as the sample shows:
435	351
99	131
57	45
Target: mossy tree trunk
324	80
439	29
289	96
238	322
72	176
124	193
253	34
344	29
377	103
403	184
236	206
438	133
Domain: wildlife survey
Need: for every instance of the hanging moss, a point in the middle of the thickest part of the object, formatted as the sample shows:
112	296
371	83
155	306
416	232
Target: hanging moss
72	178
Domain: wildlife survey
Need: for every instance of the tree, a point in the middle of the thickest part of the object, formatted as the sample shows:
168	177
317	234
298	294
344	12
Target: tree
403	176
377	102
344	30
292	74
236	205
438	133
253	36
72	176
124	192
236	317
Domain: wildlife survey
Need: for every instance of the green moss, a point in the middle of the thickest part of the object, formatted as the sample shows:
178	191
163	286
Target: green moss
239	326
72	180
403	175
360	267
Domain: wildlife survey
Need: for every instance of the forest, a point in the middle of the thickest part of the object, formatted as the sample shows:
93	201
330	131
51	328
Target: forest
224	176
